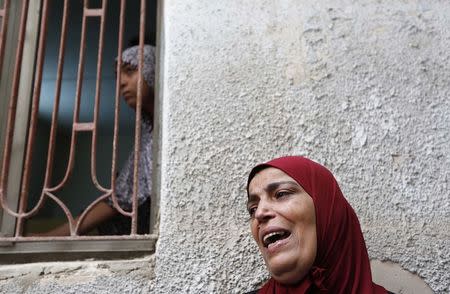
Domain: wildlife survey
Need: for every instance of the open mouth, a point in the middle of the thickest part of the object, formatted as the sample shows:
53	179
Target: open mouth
274	237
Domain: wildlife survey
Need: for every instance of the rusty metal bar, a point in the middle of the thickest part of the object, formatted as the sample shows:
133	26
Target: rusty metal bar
137	140
78	238
23	201
83	215
12	109
94	12
117	109
77	126
47	191
83	127
90	126
4	23
66	210
97	99
26	215
55	113
76	111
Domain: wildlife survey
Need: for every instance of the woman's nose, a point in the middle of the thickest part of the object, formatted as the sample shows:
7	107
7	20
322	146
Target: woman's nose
264	212
123	81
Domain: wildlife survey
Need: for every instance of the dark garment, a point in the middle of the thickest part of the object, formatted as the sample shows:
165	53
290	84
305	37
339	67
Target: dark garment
121	224
125	178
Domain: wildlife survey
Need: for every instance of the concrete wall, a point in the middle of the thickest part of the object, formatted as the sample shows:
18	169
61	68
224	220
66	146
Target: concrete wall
131	276
360	87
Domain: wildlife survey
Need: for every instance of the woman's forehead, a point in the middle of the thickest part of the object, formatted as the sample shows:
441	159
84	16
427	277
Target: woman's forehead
124	66
268	176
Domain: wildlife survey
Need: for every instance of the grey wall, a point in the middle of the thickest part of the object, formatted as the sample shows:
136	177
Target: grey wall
359	87
130	276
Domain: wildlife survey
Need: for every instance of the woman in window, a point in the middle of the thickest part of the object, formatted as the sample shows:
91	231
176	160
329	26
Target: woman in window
308	234
103	215
129	79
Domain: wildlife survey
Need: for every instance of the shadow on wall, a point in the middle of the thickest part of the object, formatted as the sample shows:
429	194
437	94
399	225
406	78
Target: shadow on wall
397	280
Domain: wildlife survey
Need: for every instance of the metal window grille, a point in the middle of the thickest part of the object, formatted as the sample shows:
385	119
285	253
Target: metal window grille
49	191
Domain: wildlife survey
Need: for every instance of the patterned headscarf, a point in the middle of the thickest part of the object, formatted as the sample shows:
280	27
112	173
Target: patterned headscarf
342	263
131	57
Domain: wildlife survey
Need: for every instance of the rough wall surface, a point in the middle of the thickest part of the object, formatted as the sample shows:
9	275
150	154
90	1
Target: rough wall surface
361	87
122	276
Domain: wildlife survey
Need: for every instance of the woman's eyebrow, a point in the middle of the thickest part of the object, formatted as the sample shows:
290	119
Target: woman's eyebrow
273	186
252	198
270	188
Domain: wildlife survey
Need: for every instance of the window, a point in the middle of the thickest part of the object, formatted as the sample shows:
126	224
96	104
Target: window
64	133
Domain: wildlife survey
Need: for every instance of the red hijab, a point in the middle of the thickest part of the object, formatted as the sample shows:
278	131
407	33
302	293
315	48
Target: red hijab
342	263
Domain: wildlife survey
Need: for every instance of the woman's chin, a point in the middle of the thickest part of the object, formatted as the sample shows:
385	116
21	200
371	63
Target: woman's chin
284	270
288	277
131	103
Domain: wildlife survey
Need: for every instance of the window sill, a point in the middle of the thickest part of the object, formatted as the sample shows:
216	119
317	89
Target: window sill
65	250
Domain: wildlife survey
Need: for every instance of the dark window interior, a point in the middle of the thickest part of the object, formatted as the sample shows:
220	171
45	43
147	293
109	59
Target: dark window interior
79	191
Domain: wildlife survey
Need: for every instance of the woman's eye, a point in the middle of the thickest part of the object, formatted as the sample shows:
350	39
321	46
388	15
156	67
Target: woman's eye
252	211
280	194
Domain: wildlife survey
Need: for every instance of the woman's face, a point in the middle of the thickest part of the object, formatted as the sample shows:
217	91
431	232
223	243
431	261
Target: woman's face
283	224
129	81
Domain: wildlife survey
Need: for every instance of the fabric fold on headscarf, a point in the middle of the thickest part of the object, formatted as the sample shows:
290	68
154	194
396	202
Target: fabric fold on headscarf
342	264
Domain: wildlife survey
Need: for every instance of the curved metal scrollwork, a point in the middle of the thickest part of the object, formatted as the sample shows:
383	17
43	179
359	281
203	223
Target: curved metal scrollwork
49	192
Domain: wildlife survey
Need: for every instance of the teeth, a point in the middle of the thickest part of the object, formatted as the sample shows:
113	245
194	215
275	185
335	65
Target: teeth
266	237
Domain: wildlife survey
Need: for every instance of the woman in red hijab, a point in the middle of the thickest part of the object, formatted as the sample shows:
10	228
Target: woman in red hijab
307	233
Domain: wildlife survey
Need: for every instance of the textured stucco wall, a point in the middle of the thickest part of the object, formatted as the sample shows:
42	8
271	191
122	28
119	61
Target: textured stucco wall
121	276
362	87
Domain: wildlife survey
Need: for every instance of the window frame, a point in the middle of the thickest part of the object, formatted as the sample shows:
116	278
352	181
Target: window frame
8	222
71	249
